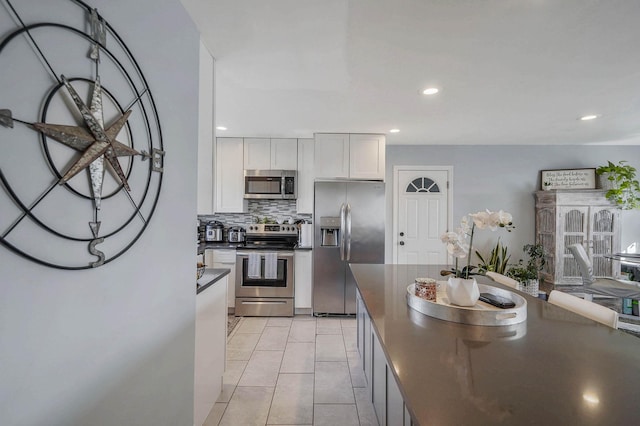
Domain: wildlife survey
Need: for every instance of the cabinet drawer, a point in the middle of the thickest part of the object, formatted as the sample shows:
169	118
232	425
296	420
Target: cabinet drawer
224	256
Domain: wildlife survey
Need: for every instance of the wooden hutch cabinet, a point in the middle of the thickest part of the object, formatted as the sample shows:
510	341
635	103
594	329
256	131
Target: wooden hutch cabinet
565	217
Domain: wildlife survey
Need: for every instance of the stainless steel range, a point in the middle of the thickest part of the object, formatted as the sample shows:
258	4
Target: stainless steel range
264	271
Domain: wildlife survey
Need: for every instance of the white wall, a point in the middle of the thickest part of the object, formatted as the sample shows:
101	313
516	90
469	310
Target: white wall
114	345
505	177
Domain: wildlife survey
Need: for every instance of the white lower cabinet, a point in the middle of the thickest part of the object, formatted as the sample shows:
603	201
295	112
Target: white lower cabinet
222	258
210	348
382	387
395	404
379	382
303	276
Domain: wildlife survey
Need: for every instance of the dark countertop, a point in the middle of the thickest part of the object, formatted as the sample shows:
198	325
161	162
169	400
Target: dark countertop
210	277
555	368
231	246
218	245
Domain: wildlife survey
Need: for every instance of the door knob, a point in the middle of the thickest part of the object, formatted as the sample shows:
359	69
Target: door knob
402	234
401	243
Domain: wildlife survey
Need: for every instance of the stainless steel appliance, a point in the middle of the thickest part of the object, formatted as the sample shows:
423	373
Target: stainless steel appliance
213	231
265	272
236	234
305	238
270	184
348	228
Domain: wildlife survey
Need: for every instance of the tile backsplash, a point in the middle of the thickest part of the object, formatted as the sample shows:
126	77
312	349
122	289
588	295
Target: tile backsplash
271	209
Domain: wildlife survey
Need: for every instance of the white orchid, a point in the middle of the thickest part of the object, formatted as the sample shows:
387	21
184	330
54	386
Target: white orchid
505	219
456	241
458	250
456	244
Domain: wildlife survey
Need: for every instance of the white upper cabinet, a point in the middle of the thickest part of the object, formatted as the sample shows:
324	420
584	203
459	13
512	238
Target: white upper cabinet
205	132
270	154
349	156
366	156
257	153
284	154
229	176
305	176
331	155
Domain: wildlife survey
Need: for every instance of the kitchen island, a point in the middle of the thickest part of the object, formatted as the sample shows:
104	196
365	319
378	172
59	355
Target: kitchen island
210	340
554	368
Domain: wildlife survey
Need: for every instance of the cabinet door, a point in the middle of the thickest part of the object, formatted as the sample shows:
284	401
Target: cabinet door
205	132
210	348
572	229
379	381
331	155
395	403
368	355
303	277
229	176
257	154
284	154
226	259
604	237
305	176
367	157
360	313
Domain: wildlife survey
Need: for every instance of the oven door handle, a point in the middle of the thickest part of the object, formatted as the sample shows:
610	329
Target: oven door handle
281	254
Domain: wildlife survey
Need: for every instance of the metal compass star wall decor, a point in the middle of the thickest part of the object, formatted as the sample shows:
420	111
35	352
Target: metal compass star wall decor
82	154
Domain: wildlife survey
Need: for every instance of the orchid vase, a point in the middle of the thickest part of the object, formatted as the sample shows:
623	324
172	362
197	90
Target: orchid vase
462	291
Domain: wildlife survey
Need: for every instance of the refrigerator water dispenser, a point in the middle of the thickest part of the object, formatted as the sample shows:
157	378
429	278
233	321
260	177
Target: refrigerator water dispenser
330	229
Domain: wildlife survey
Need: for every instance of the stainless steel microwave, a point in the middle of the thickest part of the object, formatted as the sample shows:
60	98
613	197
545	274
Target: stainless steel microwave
271	184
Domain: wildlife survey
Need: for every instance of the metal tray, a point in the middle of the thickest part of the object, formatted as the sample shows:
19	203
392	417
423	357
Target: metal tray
479	314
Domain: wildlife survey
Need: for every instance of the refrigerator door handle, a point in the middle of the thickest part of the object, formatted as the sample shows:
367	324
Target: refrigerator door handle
348	248
342	229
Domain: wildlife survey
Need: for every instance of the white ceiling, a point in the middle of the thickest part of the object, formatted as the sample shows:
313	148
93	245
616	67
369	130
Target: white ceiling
509	71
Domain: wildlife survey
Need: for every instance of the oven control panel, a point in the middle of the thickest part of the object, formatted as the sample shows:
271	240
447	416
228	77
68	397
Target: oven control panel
272	229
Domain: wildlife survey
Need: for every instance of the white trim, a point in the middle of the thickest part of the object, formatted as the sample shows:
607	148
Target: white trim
396	191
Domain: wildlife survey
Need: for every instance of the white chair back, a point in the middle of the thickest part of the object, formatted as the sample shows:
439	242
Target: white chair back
585	308
502	279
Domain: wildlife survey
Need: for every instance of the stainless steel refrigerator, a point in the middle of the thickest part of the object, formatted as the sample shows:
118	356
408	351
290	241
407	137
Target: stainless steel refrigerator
348	228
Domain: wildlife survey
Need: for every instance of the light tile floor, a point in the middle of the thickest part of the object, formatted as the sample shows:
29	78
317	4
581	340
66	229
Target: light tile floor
293	371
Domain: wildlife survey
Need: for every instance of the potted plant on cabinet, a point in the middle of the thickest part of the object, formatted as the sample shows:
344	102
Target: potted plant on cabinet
527	273
620	182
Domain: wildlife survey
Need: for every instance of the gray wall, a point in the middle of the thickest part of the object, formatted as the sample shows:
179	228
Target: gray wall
505	177
114	345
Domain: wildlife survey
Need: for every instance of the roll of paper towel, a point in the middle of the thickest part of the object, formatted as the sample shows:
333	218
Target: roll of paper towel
306	235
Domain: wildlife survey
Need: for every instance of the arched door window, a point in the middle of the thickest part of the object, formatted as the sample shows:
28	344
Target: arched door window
422	184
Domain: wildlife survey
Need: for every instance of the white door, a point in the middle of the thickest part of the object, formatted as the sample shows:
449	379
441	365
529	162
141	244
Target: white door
423	210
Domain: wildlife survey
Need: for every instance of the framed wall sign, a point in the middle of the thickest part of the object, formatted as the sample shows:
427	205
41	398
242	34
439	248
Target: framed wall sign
568	179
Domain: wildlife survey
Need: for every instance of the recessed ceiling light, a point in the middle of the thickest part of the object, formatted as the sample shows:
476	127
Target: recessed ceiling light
430	91
394	130
588	117
591	398
221	128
